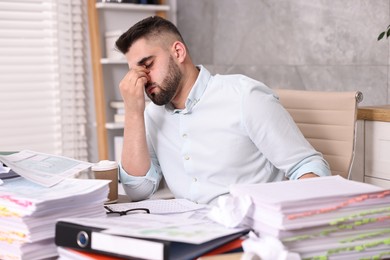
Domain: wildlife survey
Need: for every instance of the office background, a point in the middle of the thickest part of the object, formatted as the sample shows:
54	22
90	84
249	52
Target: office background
301	44
297	44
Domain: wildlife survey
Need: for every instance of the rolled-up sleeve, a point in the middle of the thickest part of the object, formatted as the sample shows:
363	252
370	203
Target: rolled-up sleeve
139	188
277	136
315	164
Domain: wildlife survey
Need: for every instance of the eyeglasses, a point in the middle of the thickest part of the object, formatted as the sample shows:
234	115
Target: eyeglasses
125	212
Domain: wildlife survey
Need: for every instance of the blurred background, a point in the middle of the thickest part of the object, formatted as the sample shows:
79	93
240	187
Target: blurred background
301	44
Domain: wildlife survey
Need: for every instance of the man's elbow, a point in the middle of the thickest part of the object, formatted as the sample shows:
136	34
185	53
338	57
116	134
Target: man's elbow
308	175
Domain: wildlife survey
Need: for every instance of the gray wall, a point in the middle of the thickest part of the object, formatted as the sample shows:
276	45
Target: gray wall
298	44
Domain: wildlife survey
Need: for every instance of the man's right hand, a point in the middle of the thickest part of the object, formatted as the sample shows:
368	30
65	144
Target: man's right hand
132	89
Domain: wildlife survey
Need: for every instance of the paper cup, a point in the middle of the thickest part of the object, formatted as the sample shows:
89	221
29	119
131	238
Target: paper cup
108	170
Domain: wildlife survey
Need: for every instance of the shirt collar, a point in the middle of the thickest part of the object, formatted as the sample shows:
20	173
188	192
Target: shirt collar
196	92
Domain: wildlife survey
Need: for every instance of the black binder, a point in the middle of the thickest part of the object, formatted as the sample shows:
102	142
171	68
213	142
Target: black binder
92	239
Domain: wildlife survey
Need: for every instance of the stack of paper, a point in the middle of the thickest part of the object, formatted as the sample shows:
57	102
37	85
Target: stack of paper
44	169
29	211
322	218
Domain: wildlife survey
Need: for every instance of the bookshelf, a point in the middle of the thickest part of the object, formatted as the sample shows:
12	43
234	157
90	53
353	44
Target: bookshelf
108	68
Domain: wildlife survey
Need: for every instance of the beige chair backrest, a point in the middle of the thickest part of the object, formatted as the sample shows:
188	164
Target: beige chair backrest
328	122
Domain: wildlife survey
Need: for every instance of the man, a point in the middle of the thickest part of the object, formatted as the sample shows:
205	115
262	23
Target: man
202	132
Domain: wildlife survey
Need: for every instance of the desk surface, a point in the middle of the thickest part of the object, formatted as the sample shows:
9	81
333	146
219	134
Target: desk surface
374	113
160	194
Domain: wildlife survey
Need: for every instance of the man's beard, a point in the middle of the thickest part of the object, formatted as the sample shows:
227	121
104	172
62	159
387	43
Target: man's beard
169	85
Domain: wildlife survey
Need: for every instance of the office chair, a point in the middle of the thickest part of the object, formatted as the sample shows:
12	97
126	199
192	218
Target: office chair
328	122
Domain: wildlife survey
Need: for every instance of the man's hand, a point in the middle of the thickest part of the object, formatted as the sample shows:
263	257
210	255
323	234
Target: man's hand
308	175
132	89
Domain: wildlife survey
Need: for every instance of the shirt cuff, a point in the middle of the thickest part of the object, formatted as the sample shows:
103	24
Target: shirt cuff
139	187
125	178
320	168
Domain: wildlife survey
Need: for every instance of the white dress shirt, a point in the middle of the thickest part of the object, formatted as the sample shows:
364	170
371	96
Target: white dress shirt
233	130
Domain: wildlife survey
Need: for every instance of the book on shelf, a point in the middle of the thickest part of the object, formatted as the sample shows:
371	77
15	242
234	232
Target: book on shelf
144	236
321	218
117	104
119	118
118	144
119	110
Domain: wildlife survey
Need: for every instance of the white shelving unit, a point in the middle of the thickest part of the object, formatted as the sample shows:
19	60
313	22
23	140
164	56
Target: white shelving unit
132	7
106	61
108	72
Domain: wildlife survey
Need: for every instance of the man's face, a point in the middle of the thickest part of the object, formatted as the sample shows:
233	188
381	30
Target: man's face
162	94
164	73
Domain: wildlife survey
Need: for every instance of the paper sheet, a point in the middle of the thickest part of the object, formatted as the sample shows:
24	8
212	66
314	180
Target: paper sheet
231	211
166	227
303	193
169	206
44	169
25	194
3	169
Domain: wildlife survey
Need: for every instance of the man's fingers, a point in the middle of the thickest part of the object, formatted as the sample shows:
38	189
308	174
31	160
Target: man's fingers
141	82
136	77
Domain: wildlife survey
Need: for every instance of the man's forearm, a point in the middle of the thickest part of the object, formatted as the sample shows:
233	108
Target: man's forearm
135	155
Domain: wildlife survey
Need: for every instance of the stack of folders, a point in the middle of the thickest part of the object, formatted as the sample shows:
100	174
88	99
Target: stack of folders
28	213
322	218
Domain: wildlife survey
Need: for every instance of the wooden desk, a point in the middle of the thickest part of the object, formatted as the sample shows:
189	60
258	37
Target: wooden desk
372	153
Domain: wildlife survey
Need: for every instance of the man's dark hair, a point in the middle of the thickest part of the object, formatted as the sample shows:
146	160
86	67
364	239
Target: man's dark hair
149	27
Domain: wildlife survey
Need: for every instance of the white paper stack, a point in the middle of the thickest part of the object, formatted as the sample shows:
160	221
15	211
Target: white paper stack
322	218
29	211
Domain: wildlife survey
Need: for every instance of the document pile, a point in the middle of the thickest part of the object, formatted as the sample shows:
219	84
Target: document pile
144	236
322	218
29	211
44	169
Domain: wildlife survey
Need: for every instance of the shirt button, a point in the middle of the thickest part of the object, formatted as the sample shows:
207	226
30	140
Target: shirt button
195	179
184	135
186	157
